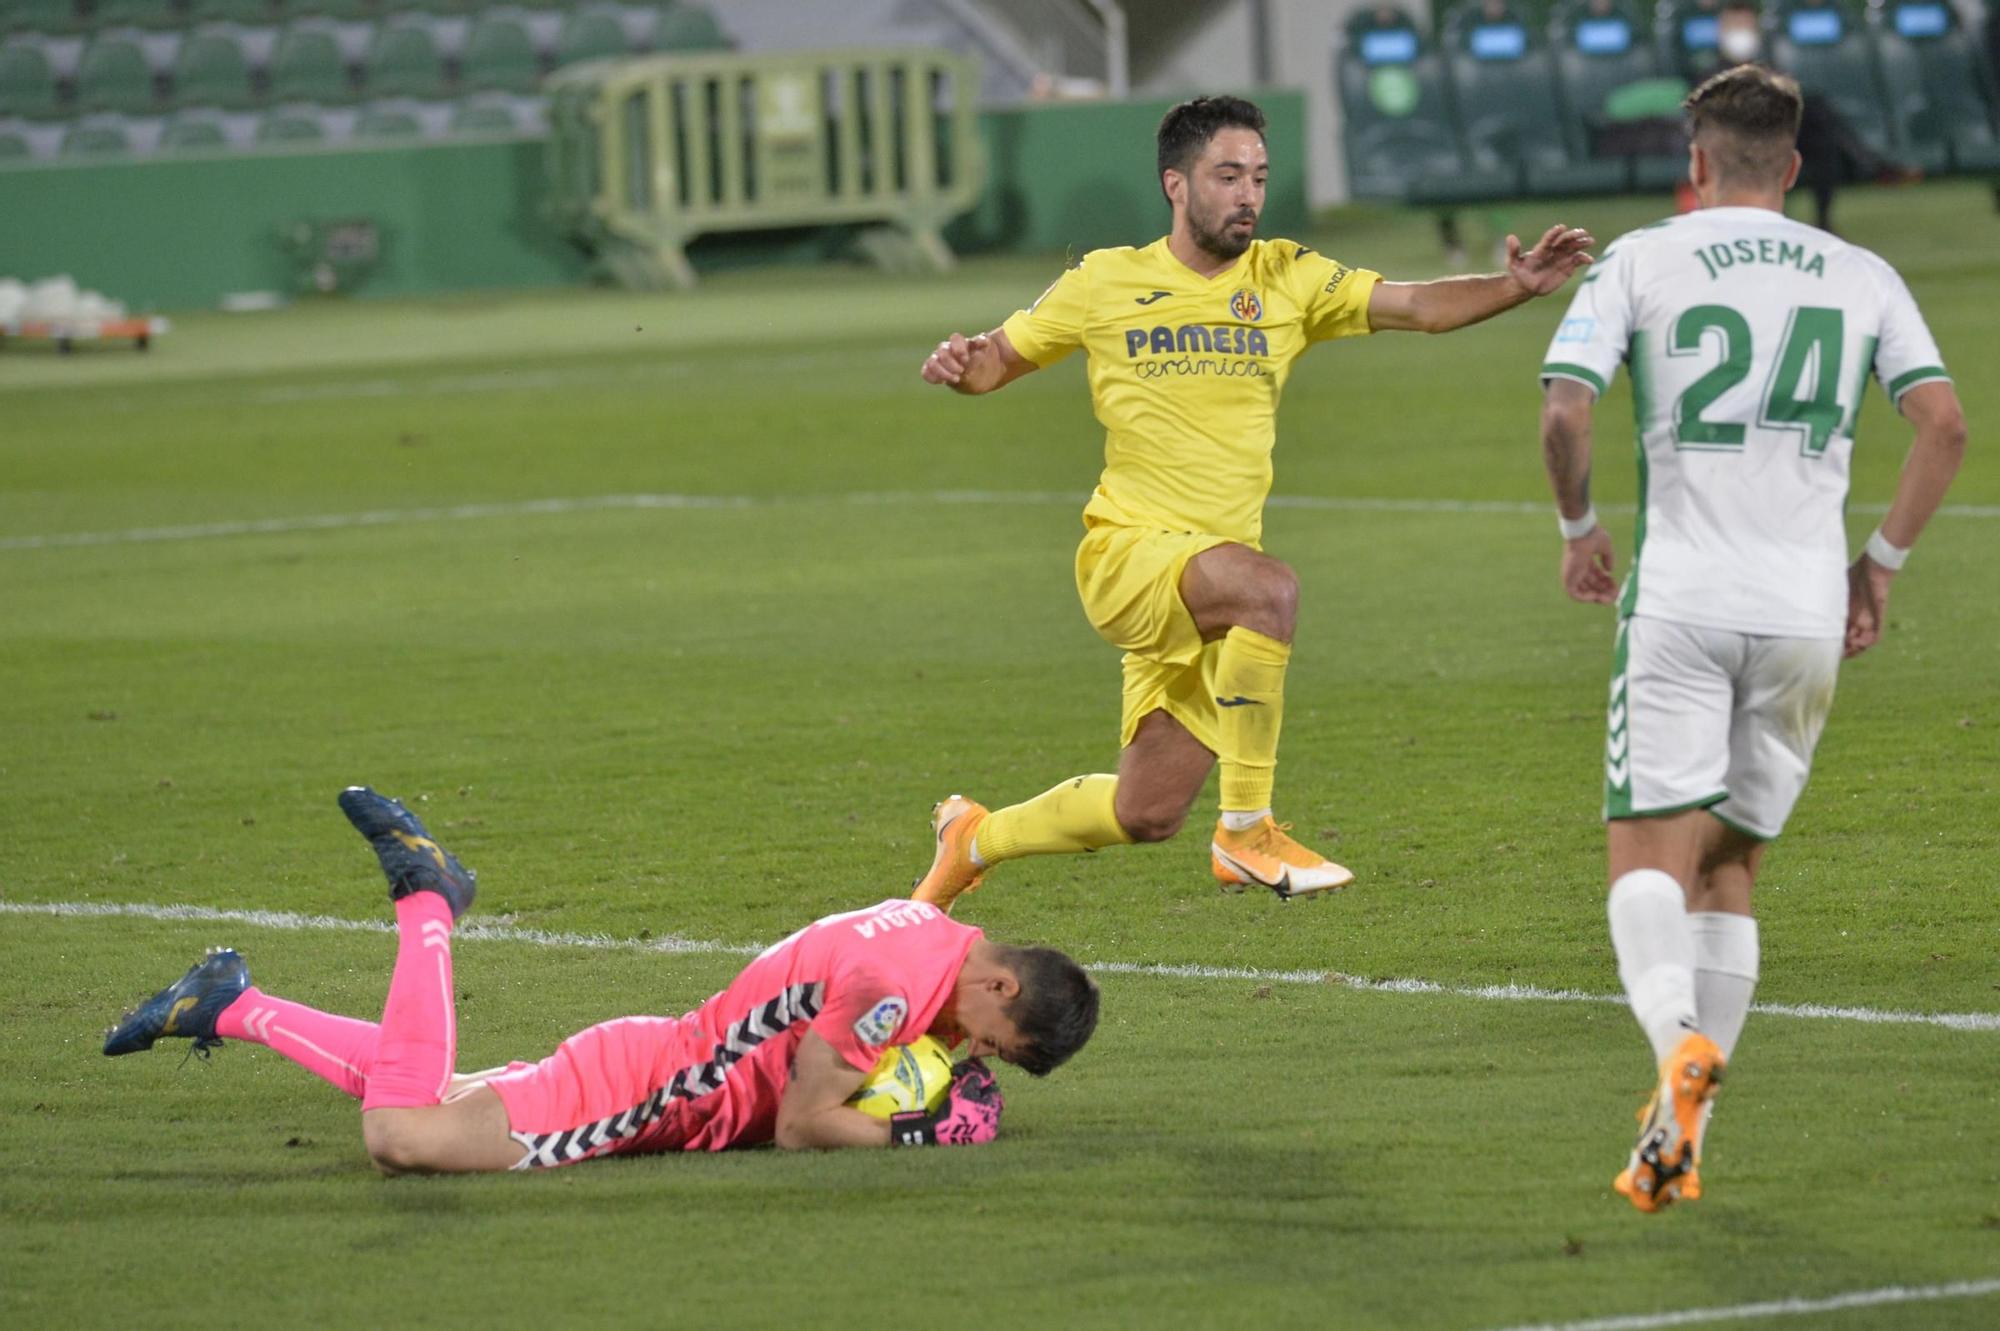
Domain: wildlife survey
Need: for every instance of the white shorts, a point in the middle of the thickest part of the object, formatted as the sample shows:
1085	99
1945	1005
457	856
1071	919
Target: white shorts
1709	719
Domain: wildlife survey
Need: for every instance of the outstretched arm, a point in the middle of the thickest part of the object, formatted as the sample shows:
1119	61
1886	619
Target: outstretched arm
1587	559
1454	302
1927	473
976	364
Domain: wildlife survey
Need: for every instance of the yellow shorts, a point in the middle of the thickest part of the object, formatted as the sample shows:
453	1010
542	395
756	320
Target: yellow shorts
1130	582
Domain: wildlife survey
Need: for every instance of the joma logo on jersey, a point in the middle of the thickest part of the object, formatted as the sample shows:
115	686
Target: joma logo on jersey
1197	337
1245	305
1717	257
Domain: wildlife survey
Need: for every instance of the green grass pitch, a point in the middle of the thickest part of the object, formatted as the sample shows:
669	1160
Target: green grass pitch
713	719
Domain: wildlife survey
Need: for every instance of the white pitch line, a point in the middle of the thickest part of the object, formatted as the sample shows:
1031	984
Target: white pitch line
387	517
490	931
1792	1307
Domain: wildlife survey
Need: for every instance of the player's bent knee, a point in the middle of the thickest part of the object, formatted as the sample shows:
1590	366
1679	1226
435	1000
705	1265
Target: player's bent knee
1152	824
395	1142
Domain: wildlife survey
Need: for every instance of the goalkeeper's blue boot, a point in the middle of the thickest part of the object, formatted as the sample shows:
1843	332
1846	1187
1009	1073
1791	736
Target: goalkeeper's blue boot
188	1007
412	861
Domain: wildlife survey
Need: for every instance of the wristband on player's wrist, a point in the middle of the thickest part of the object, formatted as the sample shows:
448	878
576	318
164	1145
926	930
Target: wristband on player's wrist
1881	552
1576	528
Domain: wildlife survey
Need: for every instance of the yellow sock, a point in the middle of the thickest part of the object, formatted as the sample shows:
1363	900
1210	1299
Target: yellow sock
1250	709
1076	815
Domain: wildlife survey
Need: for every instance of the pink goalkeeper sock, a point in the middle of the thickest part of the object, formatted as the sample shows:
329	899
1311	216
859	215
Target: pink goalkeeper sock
418	1041
340	1049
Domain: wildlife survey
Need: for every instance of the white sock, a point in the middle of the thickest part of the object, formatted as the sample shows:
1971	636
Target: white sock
1243	822
1650	933
1725	974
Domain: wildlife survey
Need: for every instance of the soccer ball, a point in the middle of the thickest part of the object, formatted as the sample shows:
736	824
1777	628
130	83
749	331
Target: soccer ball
908	1077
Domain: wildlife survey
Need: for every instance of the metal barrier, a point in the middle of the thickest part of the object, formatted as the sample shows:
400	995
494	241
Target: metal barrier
646	154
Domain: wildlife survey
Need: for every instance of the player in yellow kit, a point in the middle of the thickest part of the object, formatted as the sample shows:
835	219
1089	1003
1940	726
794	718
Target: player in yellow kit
1189	341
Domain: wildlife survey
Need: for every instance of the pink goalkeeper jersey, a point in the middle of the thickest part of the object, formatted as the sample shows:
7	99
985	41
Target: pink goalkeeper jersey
862	980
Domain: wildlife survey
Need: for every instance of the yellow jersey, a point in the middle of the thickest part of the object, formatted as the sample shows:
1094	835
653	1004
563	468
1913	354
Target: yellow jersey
1185	371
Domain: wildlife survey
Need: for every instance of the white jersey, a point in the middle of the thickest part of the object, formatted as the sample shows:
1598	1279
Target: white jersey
1749	338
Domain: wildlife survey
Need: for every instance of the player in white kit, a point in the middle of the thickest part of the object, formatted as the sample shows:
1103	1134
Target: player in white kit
1749	338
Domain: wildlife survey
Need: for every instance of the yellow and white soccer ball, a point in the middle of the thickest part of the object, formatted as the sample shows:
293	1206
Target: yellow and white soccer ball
908	1077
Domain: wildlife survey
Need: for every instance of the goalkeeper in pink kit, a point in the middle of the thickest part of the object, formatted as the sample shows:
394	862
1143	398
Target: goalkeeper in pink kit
774	1057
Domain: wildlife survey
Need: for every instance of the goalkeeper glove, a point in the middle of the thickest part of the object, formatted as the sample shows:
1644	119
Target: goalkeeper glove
969	1116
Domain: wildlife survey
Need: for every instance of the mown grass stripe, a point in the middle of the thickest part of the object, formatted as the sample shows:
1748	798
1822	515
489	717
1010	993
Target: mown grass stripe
477	930
389	517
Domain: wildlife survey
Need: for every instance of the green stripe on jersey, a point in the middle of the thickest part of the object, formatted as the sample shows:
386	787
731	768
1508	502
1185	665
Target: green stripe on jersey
1565	370
1911	378
1617	732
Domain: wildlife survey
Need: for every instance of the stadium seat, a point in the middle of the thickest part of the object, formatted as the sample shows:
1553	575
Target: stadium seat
1504	84
14	146
212	71
1940	93
484	119
95	139
114	76
249	12
590	34
194	132
40	16
290	125
1396	127
403	61
499	56
1827	50
390	123
1619	97
27	81
346	11
308	66
689	28
105	14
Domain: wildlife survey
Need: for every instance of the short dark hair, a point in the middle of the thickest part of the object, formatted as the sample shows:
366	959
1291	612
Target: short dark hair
1056	1009
1186	129
1748	118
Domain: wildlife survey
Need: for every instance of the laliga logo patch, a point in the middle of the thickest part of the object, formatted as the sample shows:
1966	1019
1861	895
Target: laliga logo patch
1245	306
879	1023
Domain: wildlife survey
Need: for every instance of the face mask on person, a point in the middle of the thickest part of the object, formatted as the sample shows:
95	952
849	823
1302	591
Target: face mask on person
1740	45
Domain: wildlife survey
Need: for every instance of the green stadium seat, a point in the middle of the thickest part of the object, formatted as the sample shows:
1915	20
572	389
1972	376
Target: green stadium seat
1396	126
1503	82
27	81
114	76
499	57
1827	50
14	146
1605	53
50	16
403	61
590	34
1940	93
347	11
290	125
252	13
391	123
308	67
212	71
194	132
491	119
689	28
105	14
86	139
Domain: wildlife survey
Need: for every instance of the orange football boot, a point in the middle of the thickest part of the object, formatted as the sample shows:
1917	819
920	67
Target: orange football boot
952	872
1263	856
1662	1167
